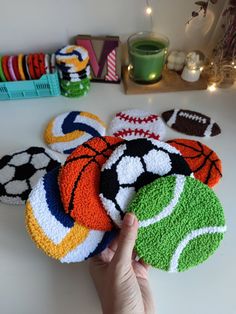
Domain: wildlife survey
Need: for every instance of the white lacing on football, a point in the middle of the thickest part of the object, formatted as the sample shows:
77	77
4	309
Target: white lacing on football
193	117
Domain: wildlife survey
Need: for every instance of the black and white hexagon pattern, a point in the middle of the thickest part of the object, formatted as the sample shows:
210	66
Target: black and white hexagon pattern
20	171
131	166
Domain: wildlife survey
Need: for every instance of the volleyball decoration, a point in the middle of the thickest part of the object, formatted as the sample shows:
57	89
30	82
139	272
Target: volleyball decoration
74	70
181	223
54	231
70	129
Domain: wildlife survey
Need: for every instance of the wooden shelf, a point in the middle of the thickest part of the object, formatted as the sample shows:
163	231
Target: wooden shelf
170	82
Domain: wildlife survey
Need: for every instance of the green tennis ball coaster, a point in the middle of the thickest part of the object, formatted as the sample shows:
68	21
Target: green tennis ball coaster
181	223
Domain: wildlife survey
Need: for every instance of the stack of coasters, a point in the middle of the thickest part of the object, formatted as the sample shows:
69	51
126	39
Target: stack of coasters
191	122
20	171
54	231
135	123
132	165
74	70
202	160
71	129
79	182
181	223
26	67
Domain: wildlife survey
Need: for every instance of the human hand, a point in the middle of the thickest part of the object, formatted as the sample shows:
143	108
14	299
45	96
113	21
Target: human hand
121	282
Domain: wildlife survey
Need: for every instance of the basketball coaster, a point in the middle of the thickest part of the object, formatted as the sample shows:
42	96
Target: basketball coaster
191	122
71	129
20	171
181	223
79	181
202	160
54	231
131	124
132	165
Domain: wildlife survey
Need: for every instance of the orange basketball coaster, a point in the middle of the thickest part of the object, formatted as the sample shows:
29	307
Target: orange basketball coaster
202	160
79	182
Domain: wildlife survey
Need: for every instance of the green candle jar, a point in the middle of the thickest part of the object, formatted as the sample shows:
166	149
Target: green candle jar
147	56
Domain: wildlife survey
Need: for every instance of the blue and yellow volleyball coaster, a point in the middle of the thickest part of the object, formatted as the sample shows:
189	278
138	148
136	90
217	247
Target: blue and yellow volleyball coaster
54	231
69	130
181	223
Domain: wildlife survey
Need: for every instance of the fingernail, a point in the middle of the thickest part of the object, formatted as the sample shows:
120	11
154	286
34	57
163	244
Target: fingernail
129	220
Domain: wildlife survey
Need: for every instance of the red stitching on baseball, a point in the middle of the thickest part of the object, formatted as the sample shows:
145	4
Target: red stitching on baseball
141	132
135	120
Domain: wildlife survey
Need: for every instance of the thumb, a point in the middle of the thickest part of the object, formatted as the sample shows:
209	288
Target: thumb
127	239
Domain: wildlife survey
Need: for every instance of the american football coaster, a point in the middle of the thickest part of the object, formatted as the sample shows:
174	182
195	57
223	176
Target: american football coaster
191	122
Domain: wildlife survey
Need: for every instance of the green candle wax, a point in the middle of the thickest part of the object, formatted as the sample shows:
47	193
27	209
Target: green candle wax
147	58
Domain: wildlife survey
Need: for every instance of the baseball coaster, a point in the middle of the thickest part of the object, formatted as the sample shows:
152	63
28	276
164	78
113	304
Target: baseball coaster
181	223
132	165
20	171
71	129
54	231
131	124
191	122
79	181
202	160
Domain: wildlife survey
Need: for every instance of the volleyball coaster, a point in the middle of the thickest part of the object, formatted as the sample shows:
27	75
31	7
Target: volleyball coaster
54	231
191	122
20	171
202	160
181	223
135	123
79	181
71	129
132	165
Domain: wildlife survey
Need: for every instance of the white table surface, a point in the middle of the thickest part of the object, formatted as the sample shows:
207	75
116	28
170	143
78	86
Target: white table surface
32	283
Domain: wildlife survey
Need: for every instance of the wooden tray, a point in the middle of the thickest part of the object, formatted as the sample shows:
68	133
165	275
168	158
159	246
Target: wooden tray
170	82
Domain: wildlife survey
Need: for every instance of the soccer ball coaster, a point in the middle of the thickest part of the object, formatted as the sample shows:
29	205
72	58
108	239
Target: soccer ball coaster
20	171
181	223
191	122
133	165
202	160
135	123
71	129
79	182
54	231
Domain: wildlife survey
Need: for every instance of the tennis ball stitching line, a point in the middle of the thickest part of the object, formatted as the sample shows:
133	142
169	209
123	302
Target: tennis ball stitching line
167	211
174	264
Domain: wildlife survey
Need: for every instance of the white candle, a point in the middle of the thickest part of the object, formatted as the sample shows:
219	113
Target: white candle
190	75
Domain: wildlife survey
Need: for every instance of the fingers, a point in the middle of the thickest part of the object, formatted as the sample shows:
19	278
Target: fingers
126	240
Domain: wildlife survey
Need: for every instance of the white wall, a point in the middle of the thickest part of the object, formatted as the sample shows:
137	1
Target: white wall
33	25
